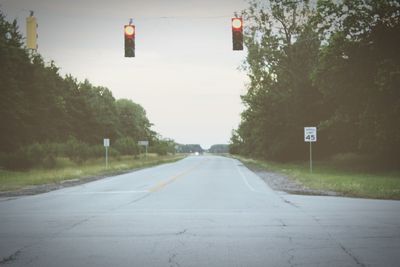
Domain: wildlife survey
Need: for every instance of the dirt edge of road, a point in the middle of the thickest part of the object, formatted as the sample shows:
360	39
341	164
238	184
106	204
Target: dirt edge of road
44	188
280	182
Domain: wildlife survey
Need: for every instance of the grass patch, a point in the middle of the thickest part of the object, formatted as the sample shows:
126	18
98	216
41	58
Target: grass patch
337	176
67	170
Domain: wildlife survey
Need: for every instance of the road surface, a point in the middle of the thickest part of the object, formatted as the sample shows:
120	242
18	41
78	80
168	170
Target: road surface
200	211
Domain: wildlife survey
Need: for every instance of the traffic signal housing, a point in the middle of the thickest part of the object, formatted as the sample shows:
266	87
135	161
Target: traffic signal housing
129	34
237	33
31	32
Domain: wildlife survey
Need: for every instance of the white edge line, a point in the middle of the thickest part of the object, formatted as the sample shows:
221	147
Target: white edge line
244	178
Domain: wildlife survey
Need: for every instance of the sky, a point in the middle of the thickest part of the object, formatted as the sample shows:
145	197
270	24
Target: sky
185	74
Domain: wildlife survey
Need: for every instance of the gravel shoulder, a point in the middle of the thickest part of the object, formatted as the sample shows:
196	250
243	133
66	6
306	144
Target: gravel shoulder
281	182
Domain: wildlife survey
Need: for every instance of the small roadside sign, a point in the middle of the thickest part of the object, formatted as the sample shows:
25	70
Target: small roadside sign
143	143
106	142
310	134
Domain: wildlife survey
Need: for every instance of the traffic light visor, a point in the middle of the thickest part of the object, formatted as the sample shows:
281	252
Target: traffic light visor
129	30
237	23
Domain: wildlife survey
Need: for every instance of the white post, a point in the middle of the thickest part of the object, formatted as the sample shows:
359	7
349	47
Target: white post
310	158
106	157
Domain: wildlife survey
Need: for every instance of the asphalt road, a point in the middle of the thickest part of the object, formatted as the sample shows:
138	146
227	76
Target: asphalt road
200	211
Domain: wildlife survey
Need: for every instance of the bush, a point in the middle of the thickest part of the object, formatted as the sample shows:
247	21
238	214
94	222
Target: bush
112	152
18	160
126	146
76	150
161	149
96	151
362	162
35	155
49	162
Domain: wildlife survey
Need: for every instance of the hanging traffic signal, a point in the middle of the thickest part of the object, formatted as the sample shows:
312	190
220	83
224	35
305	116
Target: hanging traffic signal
237	33
129	32
31	32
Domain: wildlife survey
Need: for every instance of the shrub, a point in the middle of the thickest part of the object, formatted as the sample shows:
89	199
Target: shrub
35	155
18	160
126	146
49	162
161	149
76	150
96	151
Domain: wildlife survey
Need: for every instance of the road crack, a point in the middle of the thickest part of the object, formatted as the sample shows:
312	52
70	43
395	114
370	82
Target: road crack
10	258
283	224
317	221
290	203
182	232
172	261
291	257
348	252
77	224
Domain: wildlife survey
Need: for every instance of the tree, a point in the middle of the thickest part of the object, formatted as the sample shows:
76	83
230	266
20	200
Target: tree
281	99
335	66
133	121
359	76
38	106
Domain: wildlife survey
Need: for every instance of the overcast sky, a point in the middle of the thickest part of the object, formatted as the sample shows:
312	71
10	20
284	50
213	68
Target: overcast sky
185	73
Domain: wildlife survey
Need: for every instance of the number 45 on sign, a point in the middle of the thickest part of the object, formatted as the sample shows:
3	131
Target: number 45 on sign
310	134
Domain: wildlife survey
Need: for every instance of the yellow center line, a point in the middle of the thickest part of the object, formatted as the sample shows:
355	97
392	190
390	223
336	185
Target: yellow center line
172	179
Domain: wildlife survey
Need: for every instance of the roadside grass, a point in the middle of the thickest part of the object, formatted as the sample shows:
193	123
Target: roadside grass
68	170
336	176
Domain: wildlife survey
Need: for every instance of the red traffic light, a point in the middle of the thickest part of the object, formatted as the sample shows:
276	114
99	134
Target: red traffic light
129	30
129	36
237	34
237	24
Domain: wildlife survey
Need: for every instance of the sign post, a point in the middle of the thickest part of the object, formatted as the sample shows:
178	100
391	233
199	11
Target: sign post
310	136
106	143
145	144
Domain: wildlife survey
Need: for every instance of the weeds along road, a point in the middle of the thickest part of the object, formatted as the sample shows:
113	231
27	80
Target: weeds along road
200	211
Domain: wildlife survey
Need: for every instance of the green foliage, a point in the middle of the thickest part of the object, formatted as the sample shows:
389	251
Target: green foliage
133	121
281	98
67	170
76	150
335	66
189	148
163	146
38	106
42	155
359	76
220	148
346	174
126	146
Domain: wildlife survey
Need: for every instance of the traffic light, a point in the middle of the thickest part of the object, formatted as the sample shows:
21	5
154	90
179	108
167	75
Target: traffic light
237	33
129	32
31	32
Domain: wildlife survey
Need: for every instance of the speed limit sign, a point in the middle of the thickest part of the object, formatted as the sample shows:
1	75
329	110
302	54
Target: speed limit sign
310	134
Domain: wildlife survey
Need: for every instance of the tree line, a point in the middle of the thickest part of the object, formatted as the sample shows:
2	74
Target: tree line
189	148
334	65
219	149
44	114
